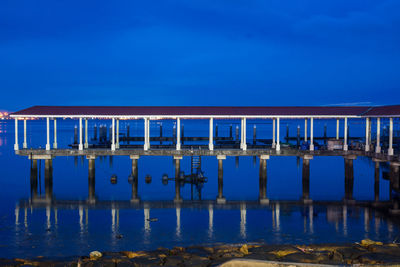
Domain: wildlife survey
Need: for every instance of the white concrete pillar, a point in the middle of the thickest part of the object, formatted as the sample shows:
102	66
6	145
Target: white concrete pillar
113	135
241	133
337	129
312	134
80	134
278	145
273	134
178	134
148	133
117	135
16	146
367	134
211	141
55	134
145	146
244	146
378	136
305	130
86	134
390	150
24	145
345	146
48	133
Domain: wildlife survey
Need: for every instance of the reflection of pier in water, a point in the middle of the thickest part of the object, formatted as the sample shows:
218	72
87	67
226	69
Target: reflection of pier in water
37	197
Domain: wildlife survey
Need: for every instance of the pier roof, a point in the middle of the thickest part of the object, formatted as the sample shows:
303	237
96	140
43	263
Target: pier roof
205	112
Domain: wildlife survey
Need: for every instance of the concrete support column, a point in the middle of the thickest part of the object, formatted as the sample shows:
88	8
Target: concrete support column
113	135
117	136
34	179
367	134
394	180
80	134
278	145
178	134
135	176
305	130
55	134
91	180
306	179
48	180
345	146
244	146
378	136
220	198
178	198
263	180
337	129
48	133
349	179
376	183
312	134
16	146
390	150
145	135
211	136
24	145
273	134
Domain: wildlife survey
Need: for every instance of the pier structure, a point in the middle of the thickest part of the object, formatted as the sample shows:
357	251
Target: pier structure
382	115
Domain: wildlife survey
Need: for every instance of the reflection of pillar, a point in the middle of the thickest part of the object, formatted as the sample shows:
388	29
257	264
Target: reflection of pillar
394	180
147	228
135	176
178	221
311	218
243	220
306	179
48	178
177	160
349	178
263	179
91	180
210	221
34	179
221	199
344	214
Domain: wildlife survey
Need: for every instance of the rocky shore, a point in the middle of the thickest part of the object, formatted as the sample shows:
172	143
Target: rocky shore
366	252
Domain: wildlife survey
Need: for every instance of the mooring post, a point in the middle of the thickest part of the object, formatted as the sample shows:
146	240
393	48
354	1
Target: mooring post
48	180
95	132
91	179
177	160
128	133
34	179
306	179
254	134
220	198
135	176
349	178
298	136
263	180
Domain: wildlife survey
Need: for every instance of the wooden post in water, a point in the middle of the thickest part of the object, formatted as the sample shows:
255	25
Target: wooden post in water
34	179
298	136
48	180
220	198
376	184
349	179
91	180
263	180
306	179
135	176
75	135
287	133
230	132
254	134
128	134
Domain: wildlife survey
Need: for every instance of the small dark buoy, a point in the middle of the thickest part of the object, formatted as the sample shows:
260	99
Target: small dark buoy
147	179
130	179
113	179
164	179
152	219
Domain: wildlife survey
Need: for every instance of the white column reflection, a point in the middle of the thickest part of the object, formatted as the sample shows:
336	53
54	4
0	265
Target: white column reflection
366	222
243	220
178	222
81	219
26	217
390	228
277	217
55	216
345	220
377	225
210	221
48	214
147	228
16	216
311	218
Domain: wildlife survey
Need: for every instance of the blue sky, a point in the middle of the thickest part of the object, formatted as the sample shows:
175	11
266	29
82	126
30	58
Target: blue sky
199	52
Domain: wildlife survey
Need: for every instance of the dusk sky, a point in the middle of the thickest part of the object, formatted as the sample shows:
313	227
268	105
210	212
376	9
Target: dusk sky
201	52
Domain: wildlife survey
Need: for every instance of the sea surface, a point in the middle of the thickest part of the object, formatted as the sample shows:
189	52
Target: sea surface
69	225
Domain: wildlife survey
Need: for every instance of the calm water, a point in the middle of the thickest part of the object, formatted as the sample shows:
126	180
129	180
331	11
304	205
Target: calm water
69	226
